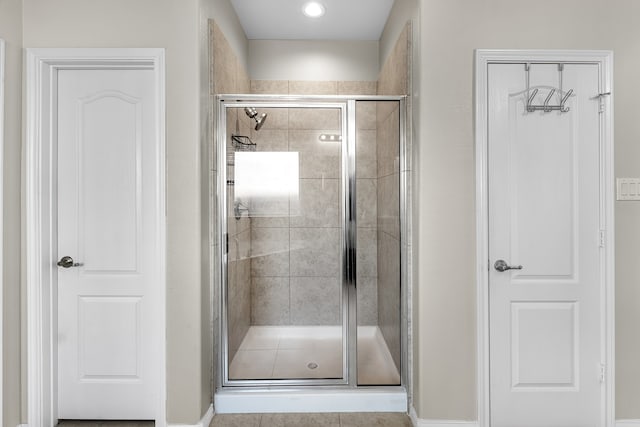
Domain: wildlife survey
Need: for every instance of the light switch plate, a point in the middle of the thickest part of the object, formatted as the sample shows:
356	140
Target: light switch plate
628	188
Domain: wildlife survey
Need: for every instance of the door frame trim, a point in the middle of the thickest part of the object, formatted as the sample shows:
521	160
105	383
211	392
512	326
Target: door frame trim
2	100
604	59
42	66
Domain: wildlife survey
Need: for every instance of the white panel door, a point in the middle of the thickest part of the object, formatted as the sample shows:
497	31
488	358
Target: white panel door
544	214
108	306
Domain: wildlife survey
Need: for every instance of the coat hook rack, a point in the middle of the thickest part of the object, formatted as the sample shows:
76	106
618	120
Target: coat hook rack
546	107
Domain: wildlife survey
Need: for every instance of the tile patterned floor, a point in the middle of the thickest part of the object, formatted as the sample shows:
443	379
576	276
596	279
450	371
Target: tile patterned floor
313	420
373	419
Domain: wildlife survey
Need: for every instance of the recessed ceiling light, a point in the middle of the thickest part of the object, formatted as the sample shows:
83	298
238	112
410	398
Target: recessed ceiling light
313	9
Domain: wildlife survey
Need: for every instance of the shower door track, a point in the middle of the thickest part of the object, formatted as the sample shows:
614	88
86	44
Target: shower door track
319	390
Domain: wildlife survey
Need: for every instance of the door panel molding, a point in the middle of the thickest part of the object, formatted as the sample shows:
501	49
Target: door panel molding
42	66
604	60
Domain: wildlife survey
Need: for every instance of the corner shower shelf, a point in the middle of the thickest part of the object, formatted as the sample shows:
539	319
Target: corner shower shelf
239	143
243	143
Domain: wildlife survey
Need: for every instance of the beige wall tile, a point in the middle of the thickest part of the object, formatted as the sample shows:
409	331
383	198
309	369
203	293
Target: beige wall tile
277	118
393	78
224	63
367	256
313	87
367	203
389	205
317	159
270	301
388	143
367	301
270	139
389	292
326	119
366	114
366	154
315	252
319	204
270	252
243	244
243	84
270	87
316	301
357	88
239	309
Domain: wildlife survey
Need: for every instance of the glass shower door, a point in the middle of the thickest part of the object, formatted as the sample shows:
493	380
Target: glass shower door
378	275
284	308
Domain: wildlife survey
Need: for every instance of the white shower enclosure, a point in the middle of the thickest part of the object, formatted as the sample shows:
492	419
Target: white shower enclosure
309	234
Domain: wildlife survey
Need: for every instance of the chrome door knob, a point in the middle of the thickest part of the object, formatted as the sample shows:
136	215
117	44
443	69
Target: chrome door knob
67	262
501	265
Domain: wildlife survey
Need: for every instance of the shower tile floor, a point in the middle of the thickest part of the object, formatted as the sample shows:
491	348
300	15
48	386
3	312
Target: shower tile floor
310	352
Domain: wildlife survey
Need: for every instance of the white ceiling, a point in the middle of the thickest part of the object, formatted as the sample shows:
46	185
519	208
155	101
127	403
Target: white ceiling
283	19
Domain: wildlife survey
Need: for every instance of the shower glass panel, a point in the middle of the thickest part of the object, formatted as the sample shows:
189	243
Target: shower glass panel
284	312
378	242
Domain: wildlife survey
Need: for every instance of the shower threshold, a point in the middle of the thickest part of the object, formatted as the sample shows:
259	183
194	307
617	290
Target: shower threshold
276	401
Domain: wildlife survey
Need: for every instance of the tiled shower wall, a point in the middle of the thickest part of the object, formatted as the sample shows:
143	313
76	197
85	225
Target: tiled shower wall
393	80
296	258
229	76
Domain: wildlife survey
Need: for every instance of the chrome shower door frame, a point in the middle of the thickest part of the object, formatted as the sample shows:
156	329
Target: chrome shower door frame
347	107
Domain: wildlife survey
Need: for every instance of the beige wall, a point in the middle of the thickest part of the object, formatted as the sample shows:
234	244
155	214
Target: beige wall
228	75
173	26
11	32
229	25
451	30
313	60
401	12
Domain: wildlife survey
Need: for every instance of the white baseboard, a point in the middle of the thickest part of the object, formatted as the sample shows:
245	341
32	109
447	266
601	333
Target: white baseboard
413	416
204	421
446	423
417	422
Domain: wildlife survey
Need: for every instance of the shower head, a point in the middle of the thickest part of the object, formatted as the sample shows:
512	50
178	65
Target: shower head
253	114
260	121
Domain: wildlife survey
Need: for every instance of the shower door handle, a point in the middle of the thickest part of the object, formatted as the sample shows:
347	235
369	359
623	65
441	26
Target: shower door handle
501	265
